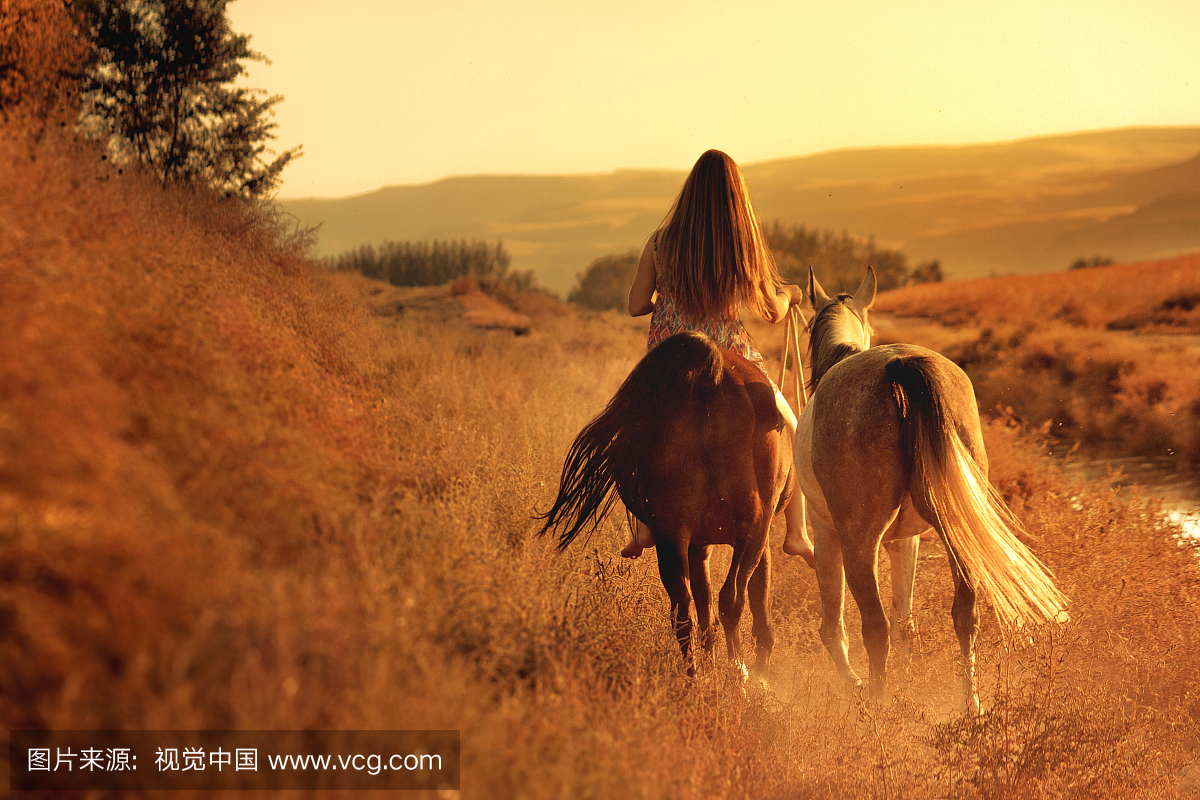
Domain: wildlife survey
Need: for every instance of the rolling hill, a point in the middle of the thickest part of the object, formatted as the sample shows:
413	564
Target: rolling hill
1028	206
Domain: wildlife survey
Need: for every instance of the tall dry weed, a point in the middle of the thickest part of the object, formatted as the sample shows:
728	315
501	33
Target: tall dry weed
41	59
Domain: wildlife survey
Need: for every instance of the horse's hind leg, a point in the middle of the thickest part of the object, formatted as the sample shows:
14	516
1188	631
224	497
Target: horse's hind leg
732	602
863	580
963	612
673	569
966	620
903	556
759	590
831	578
702	595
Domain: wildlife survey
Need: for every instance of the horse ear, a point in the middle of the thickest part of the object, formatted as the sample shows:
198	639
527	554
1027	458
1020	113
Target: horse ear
865	295
816	294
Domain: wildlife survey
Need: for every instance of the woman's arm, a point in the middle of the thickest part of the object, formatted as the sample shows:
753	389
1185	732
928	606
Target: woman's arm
788	295
641	292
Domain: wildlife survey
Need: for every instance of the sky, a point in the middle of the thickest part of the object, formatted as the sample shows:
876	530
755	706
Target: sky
391	93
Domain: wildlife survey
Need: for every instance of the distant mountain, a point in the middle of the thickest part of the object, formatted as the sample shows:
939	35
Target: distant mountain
1033	205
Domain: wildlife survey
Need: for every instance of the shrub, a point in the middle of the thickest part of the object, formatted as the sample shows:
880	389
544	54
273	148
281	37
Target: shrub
605	283
1094	261
838	261
428	263
41	60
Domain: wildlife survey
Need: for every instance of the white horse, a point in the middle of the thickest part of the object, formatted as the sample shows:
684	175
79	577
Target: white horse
889	445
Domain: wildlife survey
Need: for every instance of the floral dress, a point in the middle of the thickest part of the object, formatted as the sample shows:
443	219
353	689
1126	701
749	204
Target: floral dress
667	320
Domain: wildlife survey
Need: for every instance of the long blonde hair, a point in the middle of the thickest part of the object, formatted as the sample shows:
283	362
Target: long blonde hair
712	253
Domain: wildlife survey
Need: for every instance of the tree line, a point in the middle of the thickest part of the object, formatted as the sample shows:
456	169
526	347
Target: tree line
433	263
839	261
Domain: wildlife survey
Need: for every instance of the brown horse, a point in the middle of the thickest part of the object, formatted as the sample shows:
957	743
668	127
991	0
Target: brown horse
696	449
889	445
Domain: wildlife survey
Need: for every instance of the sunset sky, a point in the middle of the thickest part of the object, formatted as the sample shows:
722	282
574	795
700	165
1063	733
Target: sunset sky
387	93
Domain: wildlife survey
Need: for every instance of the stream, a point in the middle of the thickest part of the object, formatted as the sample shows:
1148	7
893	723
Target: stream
1179	491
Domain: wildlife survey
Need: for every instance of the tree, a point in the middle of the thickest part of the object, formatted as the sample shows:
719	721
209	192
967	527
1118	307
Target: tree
1095	261
839	261
928	272
433	263
160	88
605	283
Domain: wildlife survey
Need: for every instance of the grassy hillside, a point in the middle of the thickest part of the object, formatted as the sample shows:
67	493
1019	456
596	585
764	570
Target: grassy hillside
1108	356
1017	207
236	492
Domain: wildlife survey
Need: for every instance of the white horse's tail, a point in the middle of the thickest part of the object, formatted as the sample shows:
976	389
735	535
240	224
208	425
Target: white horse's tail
980	530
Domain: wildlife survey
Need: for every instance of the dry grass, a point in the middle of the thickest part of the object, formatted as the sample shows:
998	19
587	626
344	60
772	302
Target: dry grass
1124	296
1109	356
235	492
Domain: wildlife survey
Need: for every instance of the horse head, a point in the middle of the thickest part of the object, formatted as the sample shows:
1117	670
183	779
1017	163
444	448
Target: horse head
840	325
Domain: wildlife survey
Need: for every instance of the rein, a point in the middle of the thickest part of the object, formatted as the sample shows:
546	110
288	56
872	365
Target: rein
791	341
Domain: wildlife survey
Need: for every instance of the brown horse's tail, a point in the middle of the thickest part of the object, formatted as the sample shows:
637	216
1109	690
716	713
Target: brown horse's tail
610	450
980	530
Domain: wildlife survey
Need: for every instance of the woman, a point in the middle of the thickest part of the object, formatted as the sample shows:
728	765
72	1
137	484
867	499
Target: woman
708	258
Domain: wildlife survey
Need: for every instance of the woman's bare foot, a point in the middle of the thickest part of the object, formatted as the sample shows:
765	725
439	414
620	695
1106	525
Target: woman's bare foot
798	545
796	542
642	538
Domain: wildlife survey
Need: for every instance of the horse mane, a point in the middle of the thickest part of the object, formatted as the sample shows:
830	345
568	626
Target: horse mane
822	354
628	431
